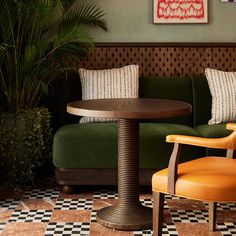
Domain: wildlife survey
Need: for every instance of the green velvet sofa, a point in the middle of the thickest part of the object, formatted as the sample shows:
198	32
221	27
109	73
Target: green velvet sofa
86	154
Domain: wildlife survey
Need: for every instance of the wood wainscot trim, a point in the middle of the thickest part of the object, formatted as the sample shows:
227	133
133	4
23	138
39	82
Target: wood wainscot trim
163	59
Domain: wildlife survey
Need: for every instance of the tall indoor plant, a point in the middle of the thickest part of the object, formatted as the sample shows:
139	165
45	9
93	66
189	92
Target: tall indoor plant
37	37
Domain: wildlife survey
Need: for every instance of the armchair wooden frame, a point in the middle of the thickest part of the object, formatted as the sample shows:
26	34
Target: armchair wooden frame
228	143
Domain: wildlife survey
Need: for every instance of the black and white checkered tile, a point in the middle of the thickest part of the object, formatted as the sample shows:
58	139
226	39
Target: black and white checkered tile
224	206
227	229
112	194
143	233
41	194
66	229
228	206
105	194
31	216
148	203
8	204
167	230
189	216
2	225
93	216
172	197
73	204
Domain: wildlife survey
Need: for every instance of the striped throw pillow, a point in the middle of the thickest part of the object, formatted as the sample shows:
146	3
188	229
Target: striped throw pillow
110	83
223	90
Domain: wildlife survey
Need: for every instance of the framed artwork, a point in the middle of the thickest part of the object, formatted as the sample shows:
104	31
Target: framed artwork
180	11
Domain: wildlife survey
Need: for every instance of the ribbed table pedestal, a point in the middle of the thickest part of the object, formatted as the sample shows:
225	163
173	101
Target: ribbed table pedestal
129	213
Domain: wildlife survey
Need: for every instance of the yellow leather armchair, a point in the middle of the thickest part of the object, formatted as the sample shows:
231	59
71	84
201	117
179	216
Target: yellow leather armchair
211	178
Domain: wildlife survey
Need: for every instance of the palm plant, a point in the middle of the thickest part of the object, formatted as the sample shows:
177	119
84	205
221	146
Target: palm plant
36	39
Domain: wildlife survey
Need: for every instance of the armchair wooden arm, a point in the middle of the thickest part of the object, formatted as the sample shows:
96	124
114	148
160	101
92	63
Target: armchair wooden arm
228	143
231	126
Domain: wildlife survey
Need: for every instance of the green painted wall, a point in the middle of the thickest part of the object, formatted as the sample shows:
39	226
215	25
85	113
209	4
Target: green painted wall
131	21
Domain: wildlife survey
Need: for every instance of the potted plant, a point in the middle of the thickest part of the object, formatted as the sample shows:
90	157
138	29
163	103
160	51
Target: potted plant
37	39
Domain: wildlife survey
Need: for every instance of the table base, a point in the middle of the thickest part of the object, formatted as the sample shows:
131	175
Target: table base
136	217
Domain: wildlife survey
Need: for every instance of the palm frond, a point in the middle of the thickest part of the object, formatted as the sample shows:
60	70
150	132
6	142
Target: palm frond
87	15
8	16
77	35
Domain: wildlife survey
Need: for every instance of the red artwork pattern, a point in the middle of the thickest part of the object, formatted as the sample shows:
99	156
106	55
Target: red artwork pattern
180	9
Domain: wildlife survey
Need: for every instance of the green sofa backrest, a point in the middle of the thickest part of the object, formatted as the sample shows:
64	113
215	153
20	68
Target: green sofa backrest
201	101
179	88
192	90
62	92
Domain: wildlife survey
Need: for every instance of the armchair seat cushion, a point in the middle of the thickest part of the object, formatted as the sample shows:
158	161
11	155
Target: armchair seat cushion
197	181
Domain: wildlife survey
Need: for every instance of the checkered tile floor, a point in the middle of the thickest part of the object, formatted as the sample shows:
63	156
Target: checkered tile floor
73	204
41	194
57	228
189	216
31	216
49	212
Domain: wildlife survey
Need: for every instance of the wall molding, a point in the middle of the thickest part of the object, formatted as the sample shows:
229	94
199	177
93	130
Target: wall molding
165	44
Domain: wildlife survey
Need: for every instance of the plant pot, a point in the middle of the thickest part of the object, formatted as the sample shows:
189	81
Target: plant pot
25	146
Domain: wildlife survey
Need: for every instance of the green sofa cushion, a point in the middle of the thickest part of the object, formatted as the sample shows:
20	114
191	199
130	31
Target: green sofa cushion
94	145
155	151
214	131
89	145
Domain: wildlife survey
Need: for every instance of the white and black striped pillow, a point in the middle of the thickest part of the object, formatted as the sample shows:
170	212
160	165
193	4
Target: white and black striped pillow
223	90
110	83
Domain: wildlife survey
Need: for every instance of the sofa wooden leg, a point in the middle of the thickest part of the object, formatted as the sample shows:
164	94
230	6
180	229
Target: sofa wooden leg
68	188
212	216
158	207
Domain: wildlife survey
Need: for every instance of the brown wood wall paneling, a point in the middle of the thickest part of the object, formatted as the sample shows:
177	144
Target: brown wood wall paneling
163	59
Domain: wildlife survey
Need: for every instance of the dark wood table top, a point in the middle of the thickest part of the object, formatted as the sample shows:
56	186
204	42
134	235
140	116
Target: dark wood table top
129	108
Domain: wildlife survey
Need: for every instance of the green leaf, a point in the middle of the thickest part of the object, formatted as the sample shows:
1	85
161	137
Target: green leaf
30	53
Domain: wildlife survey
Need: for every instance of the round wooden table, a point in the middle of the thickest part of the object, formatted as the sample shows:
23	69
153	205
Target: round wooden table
129	213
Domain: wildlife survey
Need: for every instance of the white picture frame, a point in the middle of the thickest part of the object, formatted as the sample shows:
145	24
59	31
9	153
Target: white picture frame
180	11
